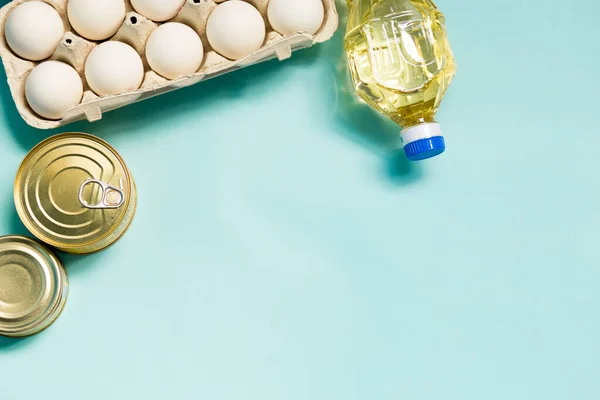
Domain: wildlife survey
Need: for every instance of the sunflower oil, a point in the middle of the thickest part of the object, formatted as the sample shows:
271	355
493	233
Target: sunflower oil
402	64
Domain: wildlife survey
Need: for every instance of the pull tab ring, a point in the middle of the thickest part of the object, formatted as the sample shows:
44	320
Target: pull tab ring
112	197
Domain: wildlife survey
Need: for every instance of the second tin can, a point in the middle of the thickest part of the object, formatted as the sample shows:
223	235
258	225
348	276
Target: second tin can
33	287
74	192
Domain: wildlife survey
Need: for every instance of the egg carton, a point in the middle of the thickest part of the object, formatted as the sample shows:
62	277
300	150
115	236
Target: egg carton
135	31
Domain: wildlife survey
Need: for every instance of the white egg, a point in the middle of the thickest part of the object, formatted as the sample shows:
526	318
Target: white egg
113	68
96	19
52	88
174	50
291	16
33	30
158	10
235	29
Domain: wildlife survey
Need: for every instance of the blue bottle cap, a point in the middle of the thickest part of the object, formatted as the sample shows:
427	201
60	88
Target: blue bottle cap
423	141
425	148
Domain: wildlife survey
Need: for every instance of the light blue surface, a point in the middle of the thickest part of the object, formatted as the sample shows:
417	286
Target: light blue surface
280	251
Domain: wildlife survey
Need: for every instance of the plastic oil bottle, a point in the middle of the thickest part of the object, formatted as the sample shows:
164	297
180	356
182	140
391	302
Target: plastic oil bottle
401	64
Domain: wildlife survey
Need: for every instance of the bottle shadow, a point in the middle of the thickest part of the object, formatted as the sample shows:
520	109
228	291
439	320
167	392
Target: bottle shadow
360	123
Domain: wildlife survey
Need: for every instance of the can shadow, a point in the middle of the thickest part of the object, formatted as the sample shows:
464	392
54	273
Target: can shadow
15	225
10	344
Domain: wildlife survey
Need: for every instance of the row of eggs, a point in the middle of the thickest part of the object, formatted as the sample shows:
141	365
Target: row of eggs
234	29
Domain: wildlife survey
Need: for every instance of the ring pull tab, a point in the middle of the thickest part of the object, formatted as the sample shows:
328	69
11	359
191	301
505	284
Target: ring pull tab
111	198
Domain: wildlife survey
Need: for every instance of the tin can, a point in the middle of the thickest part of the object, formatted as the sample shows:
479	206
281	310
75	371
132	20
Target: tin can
33	287
74	192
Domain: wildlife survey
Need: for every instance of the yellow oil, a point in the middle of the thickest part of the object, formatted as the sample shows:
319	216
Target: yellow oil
399	57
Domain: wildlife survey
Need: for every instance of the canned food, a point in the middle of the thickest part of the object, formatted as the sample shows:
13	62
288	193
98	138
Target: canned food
33	287
74	192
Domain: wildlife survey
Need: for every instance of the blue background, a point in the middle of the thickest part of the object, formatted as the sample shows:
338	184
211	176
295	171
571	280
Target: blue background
281	250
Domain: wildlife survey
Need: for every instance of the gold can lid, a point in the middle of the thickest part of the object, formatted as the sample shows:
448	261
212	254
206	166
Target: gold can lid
33	286
72	190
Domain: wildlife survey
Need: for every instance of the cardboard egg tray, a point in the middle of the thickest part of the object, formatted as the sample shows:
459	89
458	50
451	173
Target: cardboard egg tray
136	29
